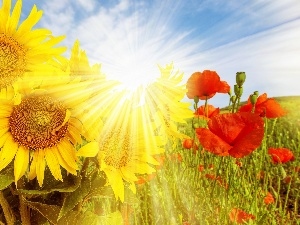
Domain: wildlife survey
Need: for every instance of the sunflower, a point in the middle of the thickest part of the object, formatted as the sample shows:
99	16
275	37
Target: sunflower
22	49
100	90
127	147
80	66
164	100
42	127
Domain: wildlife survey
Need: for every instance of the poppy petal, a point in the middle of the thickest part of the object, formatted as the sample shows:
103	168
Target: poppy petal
212	142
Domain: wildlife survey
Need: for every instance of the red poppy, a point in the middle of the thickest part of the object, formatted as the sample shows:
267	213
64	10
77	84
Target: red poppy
239	216
188	143
264	106
211	110
205	85
281	155
201	168
236	134
269	199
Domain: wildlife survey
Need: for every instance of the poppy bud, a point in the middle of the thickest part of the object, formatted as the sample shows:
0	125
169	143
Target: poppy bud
240	78
232	98
256	93
238	90
196	99
253	99
188	143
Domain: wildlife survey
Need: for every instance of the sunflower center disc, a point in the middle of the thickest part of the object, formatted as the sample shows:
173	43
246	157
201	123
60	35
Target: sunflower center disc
12	60
38	122
117	148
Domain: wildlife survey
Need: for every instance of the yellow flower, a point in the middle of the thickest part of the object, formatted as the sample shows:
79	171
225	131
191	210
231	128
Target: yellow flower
22	49
80	67
42	128
164	97
126	148
100	91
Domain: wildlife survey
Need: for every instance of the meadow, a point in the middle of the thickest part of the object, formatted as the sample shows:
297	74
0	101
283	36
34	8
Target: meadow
185	189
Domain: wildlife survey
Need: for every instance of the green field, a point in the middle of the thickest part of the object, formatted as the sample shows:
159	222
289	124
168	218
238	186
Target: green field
181	194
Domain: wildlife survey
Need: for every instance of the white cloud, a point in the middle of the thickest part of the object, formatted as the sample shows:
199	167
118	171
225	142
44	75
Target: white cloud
260	38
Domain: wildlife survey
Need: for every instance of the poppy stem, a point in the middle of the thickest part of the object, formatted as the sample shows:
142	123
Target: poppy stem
206	107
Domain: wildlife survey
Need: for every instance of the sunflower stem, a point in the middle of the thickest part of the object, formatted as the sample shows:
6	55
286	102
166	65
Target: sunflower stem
85	167
24	212
8	213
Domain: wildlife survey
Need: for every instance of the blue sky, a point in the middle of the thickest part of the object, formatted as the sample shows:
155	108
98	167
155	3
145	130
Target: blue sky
130	37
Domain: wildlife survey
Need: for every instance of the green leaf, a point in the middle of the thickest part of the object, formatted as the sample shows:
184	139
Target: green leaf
50	212
6	176
98	188
72	199
70	183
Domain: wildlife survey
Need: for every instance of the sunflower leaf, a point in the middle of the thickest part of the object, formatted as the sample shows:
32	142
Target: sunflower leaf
74	198
70	183
6	177
50	212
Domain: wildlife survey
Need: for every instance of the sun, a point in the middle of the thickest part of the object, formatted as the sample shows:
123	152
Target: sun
132	69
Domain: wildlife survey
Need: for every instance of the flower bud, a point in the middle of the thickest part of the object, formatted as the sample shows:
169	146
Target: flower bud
256	93
253	99
240	78
196	99
232	98
238	90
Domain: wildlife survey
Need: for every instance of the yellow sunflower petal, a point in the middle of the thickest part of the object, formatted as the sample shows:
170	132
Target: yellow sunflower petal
32	169
14	20
132	187
40	166
141	167
21	162
53	163
63	163
67	151
8	152
4	12
31	20
89	150
128	175
116	182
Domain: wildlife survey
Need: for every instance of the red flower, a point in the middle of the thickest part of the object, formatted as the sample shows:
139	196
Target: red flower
201	168
281	155
239	216
236	134
265	107
205	85
269	199
188	143
212	111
